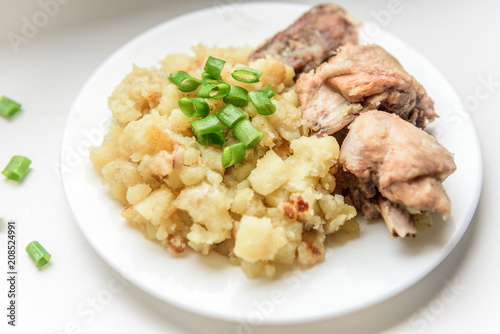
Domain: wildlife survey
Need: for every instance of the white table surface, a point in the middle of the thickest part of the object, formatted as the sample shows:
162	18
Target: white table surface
79	293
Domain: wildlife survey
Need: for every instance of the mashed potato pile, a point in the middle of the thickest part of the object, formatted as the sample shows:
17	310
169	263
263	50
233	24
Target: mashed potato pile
272	210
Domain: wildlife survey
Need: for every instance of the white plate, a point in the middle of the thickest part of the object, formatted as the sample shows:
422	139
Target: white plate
355	275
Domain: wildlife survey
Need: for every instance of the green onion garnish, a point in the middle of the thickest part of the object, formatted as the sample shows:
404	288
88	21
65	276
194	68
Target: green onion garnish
8	108
38	254
261	102
208	130
216	138
194	107
237	96
17	168
229	115
184	81
234	154
214	66
207	77
209	124
214	90
246	74
268	90
246	133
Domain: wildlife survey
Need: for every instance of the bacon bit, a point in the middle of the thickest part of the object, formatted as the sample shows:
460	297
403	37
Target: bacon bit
313	249
175	245
289	210
296	206
299	203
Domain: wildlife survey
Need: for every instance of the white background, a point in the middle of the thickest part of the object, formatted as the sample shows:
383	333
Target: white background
79	293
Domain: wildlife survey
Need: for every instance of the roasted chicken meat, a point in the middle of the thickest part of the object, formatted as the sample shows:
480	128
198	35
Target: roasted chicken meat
366	77
397	170
388	165
312	39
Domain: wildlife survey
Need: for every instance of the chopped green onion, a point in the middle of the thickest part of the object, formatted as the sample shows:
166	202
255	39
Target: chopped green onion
246	133
261	102
207	77
214	90
209	124
209	130
38	254
8	108
214	66
234	154
194	107
17	168
268	90
229	115
184	81
246	74
237	96
215	138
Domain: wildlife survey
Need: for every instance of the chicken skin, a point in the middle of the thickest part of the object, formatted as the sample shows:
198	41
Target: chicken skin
398	170
367	77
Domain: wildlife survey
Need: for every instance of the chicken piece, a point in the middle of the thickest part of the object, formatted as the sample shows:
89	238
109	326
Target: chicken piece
311	40
397	167
397	219
365	75
324	106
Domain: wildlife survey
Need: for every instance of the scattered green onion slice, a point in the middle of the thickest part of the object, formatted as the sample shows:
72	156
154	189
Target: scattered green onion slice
268	90
38	254
209	124
229	115
237	96
184	81
246	74
234	154
214	66
194	107
261	102
17	168
246	133
8	108
215	138
214	90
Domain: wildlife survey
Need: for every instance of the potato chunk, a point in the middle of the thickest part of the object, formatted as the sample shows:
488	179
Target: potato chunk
269	175
258	240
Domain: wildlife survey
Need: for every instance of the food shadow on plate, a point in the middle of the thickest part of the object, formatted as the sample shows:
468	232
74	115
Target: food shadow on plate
436	235
215	262
432	237
342	237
